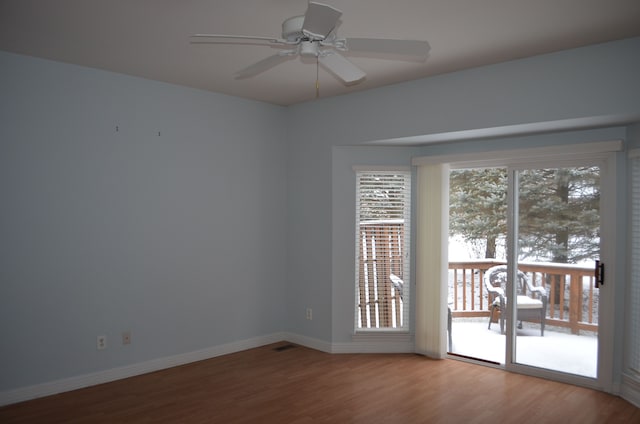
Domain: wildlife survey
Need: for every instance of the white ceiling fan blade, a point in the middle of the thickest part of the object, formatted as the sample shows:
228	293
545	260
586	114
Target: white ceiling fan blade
219	38
413	48
263	65
341	67
319	20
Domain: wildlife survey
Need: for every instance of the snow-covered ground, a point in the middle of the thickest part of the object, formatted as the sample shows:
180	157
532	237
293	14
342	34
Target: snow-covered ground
558	350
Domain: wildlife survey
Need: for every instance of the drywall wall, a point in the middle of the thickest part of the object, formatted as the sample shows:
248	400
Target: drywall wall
97	170
132	205
591	82
633	135
586	87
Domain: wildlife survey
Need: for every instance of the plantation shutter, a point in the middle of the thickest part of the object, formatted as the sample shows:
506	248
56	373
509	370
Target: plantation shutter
634	293
383	210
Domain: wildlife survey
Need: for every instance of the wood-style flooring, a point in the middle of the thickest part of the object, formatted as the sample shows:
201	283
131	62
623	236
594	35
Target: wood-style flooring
284	383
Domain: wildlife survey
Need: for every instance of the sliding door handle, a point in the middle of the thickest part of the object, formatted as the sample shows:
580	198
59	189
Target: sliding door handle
599	274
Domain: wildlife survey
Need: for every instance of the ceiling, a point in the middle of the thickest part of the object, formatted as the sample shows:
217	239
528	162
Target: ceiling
150	38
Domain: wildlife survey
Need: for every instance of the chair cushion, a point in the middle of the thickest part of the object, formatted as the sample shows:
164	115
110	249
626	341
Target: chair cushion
526	302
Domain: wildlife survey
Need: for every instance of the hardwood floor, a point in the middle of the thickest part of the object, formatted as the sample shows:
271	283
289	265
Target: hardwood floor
291	384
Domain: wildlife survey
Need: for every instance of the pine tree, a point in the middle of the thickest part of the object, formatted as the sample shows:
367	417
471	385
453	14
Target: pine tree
559	214
558	211
478	206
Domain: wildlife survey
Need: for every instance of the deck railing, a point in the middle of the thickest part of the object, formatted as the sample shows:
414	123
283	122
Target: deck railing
380	302
573	297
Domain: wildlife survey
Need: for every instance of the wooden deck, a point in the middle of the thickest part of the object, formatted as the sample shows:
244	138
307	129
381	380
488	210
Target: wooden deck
300	385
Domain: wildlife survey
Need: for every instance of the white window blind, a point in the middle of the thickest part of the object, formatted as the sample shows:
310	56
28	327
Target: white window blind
634	301
383	210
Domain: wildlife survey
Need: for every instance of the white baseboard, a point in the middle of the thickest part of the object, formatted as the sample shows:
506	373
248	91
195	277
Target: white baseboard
309	342
367	343
358	345
630	389
72	383
377	342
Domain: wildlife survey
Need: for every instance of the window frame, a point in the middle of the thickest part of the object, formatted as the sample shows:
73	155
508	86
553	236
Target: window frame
400	316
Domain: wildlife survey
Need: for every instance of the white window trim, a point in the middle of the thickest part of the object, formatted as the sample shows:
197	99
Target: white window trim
403	333
523	157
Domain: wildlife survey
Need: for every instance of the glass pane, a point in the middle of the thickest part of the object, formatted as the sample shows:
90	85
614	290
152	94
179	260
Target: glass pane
477	242
558	243
383	205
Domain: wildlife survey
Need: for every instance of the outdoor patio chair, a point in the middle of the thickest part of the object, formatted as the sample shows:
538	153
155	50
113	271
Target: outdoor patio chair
531	301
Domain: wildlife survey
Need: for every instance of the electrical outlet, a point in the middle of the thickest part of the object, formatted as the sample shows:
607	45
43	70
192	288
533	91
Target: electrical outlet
309	314
102	342
126	337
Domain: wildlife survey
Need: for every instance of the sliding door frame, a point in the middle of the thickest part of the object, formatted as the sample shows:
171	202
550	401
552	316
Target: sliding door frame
431	172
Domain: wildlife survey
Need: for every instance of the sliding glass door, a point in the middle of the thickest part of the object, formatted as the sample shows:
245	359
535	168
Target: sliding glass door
525	235
477	242
556	232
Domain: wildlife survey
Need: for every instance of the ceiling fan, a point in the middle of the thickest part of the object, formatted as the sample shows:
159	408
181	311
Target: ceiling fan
314	35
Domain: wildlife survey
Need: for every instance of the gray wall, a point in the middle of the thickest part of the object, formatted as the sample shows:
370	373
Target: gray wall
633	135
577	89
178	238
233	220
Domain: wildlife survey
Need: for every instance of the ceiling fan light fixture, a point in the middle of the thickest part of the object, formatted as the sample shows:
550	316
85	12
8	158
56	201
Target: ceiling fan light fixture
309	48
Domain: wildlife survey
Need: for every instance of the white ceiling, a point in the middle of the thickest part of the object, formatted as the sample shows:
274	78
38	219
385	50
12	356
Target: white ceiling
149	38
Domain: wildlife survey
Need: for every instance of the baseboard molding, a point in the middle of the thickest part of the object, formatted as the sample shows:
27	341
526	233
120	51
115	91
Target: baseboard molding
368	343
630	389
309	342
361	344
362	347
377	342
100	377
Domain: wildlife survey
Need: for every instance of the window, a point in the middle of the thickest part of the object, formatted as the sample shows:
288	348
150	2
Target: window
383	210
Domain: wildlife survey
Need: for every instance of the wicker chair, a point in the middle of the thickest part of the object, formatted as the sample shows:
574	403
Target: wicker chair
531	301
